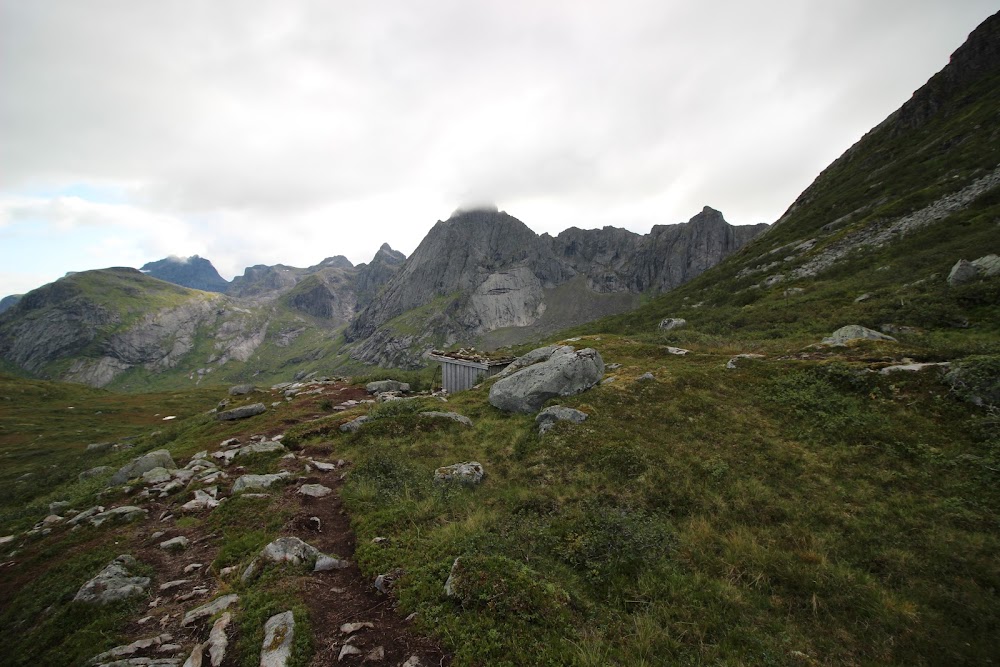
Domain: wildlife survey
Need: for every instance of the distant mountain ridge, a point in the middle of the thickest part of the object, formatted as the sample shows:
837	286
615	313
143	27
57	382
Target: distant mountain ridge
194	272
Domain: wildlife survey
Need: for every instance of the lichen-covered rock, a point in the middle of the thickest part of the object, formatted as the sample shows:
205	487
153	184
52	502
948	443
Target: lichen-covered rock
158	459
470	473
279	633
548	417
242	412
561	375
113	583
853	332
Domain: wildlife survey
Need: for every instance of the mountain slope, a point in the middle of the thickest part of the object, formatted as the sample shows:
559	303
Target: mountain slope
872	240
483	270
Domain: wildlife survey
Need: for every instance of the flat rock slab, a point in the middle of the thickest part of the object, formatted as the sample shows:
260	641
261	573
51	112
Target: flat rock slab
123	514
548	417
314	490
113	583
249	482
471	473
454	416
242	412
158	459
853	332
279	633
261	448
210	609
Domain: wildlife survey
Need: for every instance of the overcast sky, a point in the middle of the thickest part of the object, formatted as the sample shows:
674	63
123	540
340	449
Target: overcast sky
288	131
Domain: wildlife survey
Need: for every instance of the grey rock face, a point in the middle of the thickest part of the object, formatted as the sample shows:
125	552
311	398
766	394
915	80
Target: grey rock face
454	416
113	583
242	412
853	332
279	635
9	302
157	459
250	482
386	385
548	417
562	375
470	473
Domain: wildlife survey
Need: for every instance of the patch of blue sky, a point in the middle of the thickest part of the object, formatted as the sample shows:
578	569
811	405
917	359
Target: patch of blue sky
92	192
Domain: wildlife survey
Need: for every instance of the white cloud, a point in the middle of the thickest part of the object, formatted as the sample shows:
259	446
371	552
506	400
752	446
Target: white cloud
286	131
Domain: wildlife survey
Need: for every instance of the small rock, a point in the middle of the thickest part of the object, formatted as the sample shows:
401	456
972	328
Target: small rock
376	654
863	297
197	656
962	273
157	459
210	609
156	476
466	473
326	563
323	466
193	567
351	628
176	583
679	351
113	583
412	661
386	385
646	376
353	425
261	447
669	323
384	582
279	633
347	650
116	515
314	490
245	482
731	364
242	412
548	417
454	416
913	368
217	641
179	543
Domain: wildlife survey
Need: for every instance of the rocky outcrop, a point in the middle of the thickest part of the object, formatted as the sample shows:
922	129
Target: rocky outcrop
561	375
9	302
855	332
194	272
157	459
113	583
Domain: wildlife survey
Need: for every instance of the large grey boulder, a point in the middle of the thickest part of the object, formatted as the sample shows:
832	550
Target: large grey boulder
242	412
963	271
241	389
548	417
853	332
536	356
158	459
561	375
668	323
279	634
113	583
386	385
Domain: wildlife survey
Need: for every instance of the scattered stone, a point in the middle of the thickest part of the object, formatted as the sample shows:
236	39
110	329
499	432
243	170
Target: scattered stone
242	412
466	473
124	514
679	351
863	297
323	466
202	500
377	654
548	417
179	543
562	374
316	524
128	650
386	385
157	459
792	291
196	659
210	609
261	447
412	661
279	632
314	490
913	367
384	582
731	364
113	583
230	442
646	376
193	567
94	472
245	482
449	584
156	476
170	585
326	563
217	641
353	425
241	389
454	416
346	650
7	539
351	628
853	332
668	323
86	514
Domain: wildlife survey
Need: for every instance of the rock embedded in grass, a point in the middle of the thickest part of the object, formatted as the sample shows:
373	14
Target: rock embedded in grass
382	386
470	473
548	417
179	543
314	490
241	389
353	425
562	374
245	482
853	332
210	609
279	633
669	323
113	584
242	412
157	459
454	416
